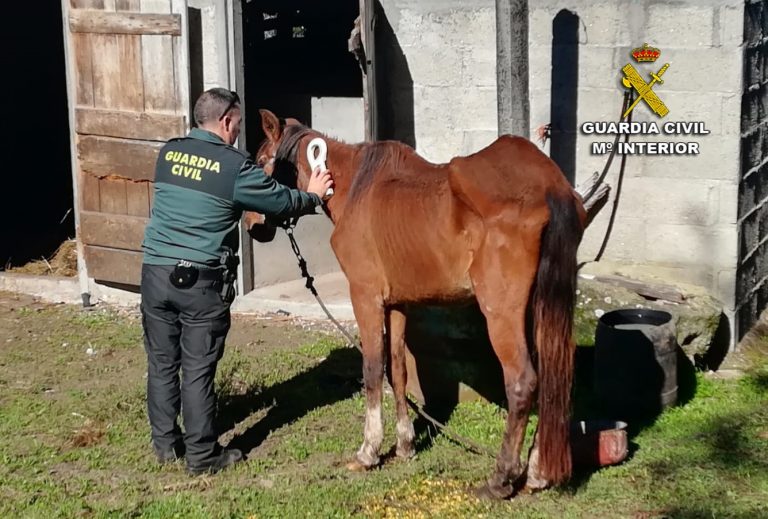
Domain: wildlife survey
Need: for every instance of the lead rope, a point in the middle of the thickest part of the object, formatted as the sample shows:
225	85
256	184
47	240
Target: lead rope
627	100
466	443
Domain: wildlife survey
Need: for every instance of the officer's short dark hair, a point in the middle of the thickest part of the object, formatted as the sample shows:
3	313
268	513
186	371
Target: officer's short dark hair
213	104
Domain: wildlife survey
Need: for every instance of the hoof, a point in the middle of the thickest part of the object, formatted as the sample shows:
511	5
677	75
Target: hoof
356	466
405	453
535	485
493	493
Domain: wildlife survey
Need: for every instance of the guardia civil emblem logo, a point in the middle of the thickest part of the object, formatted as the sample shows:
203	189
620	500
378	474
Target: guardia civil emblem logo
633	79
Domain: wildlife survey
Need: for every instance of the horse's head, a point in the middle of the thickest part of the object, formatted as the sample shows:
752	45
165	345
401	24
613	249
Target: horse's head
256	223
282	154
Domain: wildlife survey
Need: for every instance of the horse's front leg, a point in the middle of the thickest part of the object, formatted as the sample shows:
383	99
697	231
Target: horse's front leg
369	312
399	374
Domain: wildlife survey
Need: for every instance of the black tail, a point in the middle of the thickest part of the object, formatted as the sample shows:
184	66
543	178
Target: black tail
554	300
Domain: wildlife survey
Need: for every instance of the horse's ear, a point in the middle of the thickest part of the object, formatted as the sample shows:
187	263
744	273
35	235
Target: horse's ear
271	125
290	121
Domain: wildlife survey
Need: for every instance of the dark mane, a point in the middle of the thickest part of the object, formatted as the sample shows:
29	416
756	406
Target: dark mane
375	156
292	134
285	156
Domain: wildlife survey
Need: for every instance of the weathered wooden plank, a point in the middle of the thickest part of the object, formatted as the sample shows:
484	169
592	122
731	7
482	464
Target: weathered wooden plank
113	265
156	6
113	231
128	5
157	64
83	69
106	70
104	156
118	81
87	4
151	193
594	194
181	62
112	196
104	22
159	80
137	198
129	125
131	79
89	192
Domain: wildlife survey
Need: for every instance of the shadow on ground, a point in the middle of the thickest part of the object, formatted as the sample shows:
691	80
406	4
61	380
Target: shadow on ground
335	378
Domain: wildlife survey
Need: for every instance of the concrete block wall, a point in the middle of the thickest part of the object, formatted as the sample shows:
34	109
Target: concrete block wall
209	56
449	47
681	215
676	213
751	287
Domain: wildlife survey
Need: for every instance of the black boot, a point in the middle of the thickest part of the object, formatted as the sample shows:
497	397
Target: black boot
226	458
169	455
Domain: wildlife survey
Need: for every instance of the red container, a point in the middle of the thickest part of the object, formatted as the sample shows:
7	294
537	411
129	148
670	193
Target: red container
597	443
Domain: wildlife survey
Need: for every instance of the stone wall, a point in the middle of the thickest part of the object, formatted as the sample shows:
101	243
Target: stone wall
440	75
209	55
677	214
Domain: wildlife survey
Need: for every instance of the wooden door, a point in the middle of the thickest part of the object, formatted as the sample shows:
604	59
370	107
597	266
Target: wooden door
368	14
129	87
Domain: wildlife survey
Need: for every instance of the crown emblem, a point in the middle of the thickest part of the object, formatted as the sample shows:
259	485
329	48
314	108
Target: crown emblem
646	54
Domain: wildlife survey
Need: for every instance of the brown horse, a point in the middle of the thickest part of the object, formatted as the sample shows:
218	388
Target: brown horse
503	226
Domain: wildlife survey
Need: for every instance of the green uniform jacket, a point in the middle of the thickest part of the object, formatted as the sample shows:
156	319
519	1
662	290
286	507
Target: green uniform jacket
202	186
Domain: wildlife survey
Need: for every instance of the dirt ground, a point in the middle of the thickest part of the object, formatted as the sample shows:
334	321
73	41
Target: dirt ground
74	437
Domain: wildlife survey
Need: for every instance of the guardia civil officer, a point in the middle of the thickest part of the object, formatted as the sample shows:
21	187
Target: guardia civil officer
202	186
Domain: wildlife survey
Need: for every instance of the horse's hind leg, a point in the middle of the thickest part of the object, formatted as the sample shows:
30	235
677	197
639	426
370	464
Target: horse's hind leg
405	433
534	481
369	313
503	274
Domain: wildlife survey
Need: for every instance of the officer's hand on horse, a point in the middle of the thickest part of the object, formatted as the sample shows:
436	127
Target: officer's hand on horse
320	182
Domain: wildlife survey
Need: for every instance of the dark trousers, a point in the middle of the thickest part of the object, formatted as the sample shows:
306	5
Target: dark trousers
184	329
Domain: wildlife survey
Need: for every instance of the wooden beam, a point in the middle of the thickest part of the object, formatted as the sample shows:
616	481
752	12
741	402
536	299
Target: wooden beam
103	22
594	195
129	125
112	231
114	266
129	159
247	269
72	61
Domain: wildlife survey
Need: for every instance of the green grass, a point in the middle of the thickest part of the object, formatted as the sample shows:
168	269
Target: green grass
74	440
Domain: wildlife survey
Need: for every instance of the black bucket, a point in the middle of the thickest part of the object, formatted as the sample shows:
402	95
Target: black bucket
635	372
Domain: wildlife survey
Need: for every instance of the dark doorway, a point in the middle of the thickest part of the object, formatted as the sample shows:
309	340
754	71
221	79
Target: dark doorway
295	50
37	209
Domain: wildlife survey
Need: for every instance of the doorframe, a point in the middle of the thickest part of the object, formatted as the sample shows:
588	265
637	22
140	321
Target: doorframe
82	270
233	26
368	13
236	65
